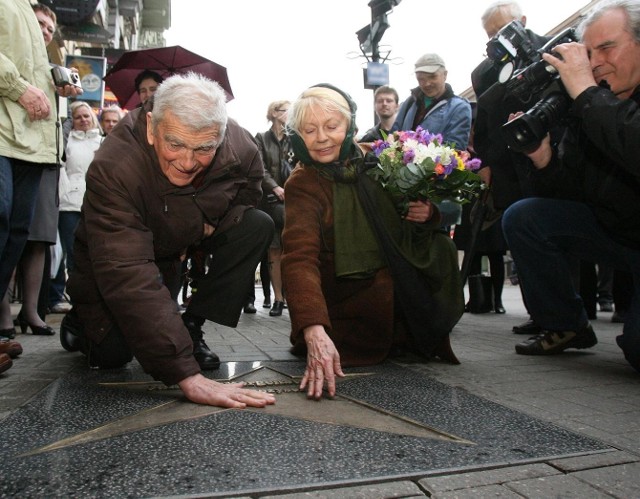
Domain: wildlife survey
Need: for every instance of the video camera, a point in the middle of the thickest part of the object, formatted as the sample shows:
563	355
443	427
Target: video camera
537	81
511	46
64	76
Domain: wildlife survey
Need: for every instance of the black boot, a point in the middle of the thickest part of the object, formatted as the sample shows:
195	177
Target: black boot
207	360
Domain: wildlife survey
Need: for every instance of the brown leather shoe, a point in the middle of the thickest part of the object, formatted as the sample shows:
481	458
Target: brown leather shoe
10	347
5	362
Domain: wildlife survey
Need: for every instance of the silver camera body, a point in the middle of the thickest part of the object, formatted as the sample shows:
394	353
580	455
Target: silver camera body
64	76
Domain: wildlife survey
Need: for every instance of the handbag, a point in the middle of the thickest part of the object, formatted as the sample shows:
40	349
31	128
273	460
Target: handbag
480	294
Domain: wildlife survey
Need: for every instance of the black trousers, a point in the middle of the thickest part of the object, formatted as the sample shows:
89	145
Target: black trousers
235	254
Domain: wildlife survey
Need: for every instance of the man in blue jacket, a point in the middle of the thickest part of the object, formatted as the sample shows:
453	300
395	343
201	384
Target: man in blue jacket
433	106
590	184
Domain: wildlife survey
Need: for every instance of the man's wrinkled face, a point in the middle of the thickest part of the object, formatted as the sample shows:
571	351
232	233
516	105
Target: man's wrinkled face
432	84
183	153
613	52
498	21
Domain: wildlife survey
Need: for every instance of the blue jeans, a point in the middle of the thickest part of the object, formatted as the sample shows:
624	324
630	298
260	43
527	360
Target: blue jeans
19	184
545	236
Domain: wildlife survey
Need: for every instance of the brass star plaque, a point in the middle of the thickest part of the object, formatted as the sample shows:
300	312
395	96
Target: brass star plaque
342	410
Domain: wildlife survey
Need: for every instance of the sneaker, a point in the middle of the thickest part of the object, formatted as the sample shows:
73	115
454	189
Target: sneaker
552	342
606	306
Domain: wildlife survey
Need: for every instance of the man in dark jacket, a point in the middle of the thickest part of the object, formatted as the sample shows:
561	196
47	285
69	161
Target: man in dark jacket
505	172
590	184
387	103
177	176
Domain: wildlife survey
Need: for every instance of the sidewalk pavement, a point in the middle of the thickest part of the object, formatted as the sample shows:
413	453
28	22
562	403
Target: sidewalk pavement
592	392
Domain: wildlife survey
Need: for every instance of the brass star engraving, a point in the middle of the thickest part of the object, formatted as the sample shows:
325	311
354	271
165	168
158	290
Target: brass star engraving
342	410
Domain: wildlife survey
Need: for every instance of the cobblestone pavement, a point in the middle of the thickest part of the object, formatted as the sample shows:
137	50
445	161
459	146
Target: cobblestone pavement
591	392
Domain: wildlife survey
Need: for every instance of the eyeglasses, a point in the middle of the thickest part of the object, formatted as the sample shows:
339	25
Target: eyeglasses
282	110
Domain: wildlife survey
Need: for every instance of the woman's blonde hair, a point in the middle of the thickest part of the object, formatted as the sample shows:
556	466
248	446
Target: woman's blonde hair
327	99
78	104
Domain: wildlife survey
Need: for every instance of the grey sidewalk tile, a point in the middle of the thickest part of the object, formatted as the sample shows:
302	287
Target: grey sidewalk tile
620	481
627	441
489	477
621	423
403	489
488	492
594	461
559	486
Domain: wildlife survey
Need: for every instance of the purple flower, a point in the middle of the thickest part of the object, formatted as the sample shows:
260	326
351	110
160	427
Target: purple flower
452	164
473	164
408	156
379	146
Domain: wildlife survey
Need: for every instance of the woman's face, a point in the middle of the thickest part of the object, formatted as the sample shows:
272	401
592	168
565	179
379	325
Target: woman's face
323	133
82	119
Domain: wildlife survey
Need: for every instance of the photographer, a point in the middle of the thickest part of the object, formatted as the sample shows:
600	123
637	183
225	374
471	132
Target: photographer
590	183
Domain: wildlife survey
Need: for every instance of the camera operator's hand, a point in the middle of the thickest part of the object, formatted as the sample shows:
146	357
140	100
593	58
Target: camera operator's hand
541	155
574	67
36	103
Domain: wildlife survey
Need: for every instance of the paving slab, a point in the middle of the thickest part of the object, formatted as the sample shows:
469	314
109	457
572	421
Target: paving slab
557	486
115	433
494	400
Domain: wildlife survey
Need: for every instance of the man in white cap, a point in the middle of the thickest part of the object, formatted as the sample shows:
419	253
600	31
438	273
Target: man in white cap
433	106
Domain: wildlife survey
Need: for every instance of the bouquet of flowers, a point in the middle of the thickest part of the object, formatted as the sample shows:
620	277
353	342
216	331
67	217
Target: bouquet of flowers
417	165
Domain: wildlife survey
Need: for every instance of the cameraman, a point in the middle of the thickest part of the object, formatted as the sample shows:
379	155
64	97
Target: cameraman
505	172
590	183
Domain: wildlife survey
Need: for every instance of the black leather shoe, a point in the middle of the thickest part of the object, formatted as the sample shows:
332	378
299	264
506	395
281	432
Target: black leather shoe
70	332
266	303
250	308
498	308
207	360
529	327
276	310
45	330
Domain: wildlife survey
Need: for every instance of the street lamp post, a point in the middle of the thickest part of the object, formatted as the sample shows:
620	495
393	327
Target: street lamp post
376	73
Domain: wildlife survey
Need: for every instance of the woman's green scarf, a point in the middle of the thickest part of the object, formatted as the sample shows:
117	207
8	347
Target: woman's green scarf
356	250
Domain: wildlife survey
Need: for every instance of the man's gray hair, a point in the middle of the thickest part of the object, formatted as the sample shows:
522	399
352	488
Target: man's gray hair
196	101
631	7
511	8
